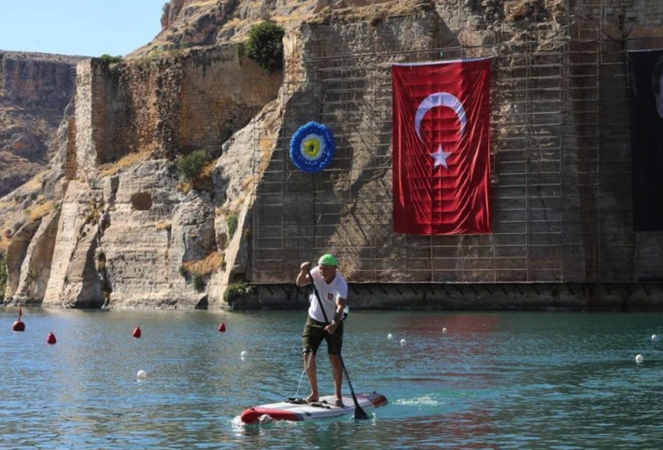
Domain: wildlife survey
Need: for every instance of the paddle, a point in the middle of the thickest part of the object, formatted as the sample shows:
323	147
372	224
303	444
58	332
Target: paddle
359	413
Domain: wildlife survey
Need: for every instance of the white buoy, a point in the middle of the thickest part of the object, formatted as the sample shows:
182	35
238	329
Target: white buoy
403	342
390	336
243	354
639	359
654	337
141	375
444	331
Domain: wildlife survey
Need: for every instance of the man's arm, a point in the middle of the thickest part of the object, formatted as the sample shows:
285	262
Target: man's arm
340	306
338	315
303	278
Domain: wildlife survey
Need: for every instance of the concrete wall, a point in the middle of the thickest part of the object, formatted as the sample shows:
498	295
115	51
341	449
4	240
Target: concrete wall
461	296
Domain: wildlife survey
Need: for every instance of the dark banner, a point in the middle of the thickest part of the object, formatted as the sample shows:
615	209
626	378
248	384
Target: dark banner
646	99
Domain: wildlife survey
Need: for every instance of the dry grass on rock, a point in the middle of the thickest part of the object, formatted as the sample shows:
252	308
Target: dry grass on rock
357	11
39	211
111	169
205	266
163	225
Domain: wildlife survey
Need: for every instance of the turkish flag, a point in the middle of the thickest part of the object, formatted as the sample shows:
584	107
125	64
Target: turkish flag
441	155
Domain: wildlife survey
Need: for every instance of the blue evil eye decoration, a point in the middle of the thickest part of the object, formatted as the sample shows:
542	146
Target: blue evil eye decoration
312	147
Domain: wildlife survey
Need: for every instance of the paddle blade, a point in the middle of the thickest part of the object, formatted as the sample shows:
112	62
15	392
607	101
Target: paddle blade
360	414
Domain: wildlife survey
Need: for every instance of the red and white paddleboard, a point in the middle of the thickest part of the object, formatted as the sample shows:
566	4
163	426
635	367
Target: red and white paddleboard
309	411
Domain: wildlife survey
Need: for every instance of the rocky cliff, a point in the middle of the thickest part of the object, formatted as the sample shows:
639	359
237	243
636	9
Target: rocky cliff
112	223
35	89
192	23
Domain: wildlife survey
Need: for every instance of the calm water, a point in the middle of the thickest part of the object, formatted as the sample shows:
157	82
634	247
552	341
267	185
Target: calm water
494	380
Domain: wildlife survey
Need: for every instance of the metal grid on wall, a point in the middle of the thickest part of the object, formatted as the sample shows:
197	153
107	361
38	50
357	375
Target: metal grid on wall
560	166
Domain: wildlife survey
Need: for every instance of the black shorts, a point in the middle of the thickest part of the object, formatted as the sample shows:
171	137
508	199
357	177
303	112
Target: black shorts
314	333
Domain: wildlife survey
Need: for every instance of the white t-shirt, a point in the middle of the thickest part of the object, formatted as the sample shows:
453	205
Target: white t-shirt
328	295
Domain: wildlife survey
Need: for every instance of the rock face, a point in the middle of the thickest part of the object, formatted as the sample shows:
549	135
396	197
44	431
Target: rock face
190	23
34	92
72	280
36	269
153	230
237	175
143	229
129	235
126	236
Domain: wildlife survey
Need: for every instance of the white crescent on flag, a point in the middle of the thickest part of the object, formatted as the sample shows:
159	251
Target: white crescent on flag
433	101
440	99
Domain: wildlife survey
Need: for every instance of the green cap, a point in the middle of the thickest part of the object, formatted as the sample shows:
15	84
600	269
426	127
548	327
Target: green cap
327	260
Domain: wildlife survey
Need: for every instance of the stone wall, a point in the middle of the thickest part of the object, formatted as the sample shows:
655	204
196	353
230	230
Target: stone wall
220	93
638	19
86	130
167	106
560	169
471	297
116	113
69	163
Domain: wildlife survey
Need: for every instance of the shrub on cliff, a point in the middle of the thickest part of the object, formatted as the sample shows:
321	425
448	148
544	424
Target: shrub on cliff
198	282
236	290
265	46
111	59
190	167
231	222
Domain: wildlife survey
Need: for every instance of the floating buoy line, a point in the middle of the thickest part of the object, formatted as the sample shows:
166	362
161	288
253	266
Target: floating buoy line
19	326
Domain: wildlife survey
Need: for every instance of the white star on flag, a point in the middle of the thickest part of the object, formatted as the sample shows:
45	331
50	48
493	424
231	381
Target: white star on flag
440	158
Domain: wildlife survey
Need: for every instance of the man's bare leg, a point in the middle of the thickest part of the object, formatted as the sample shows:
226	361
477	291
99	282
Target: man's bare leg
311	373
337	373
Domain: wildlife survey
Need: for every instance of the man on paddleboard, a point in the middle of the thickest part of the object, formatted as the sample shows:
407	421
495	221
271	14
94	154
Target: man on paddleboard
333	292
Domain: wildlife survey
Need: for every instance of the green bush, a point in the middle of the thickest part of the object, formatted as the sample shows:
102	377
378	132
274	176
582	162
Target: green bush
232	226
183	271
190	167
111	59
265	46
198	283
236	290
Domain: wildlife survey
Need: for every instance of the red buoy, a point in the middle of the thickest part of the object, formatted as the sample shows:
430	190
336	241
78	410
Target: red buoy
18	325
136	334
222	328
50	339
